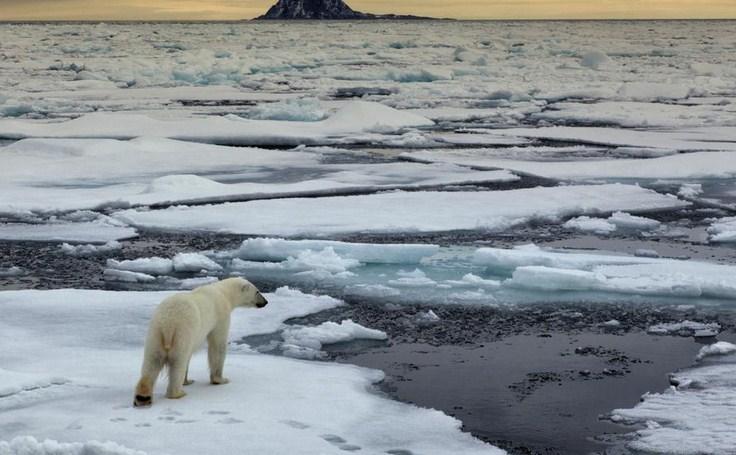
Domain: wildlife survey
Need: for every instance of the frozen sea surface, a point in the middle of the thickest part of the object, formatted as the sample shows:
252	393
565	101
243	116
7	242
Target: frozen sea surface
404	163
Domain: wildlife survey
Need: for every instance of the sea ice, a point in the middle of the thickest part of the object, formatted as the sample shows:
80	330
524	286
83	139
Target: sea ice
194	262
715	349
273	249
403	211
291	405
306	342
723	230
352	117
681	166
686	328
695	416
535	269
85	232
88	249
152	265
588	224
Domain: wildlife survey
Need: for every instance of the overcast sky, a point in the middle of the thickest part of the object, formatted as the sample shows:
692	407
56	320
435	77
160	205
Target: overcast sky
464	9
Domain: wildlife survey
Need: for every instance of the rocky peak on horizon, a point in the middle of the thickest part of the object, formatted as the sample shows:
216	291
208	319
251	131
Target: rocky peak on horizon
312	9
321	9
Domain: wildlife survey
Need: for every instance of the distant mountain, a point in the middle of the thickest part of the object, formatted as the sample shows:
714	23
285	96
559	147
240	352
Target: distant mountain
321	9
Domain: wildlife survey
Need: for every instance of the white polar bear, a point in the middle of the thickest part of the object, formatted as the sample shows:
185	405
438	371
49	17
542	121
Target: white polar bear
180	325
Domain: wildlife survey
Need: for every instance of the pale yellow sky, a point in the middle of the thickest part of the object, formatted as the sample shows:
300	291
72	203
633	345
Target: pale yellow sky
461	9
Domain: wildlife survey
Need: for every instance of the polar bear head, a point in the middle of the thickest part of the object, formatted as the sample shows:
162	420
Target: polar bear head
244	293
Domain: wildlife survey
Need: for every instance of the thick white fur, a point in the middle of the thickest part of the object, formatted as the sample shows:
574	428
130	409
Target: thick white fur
181	324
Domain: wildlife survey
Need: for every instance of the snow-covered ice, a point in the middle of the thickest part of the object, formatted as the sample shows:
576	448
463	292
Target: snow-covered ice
695	415
275	249
353	117
536	269
723	230
193	262
621	221
403	211
152	265
272	405
84	232
704	165
306	342
46	175
88	249
715	349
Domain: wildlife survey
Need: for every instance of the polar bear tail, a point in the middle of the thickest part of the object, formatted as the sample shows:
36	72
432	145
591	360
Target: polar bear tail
167	339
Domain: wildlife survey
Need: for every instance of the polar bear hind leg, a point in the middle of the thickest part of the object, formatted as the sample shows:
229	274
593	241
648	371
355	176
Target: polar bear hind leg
153	363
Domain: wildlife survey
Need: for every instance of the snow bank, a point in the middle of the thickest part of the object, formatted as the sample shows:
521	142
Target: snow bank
292	406
403	212
352	117
89	249
271	249
723	230
306	342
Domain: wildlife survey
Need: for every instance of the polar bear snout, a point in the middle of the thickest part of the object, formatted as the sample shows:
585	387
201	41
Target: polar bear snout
260	300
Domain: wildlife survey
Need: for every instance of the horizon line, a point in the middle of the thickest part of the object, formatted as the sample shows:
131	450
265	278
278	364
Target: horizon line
418	19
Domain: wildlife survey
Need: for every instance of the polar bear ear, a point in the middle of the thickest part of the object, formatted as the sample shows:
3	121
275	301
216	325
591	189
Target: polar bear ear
245	287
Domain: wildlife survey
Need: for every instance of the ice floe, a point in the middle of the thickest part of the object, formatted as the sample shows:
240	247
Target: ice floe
152	265
85	232
403	211
274	249
88	249
723	230
353	117
306	342
292	405
680	166
46	175
194	262
535	269
715	349
695	415
617	221
686	328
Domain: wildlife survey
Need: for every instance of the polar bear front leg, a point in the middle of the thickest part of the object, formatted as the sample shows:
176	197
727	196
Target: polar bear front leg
216	349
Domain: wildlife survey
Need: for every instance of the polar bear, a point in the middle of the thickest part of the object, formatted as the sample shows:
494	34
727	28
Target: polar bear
180	325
